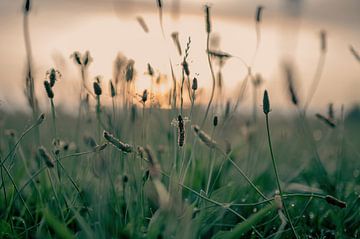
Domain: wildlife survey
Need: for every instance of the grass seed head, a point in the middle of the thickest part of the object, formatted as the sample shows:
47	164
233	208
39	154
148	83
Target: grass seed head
46	157
77	58
48	89
144	96
142	23
150	70
186	68
117	143
181	131
97	88
207	18
194	85
205	138
327	121
40	119
112	89
159	3
266	103
27	6
259	11
175	38
129	71
87	59
215	121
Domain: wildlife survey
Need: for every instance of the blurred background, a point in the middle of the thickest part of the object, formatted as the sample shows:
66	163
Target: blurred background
290	30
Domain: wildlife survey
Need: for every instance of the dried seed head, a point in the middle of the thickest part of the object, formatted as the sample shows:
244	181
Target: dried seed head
117	143
175	37
219	54
99	148
159	3
142	23
181	131
323	40
53	76
206	139
87	59
194	84
150	70
266	103
259	10
144	96
97	88
327	121
77	57
186	68
40	119
207	18
112	89
215	121
48	89
129	71
290	80
334	201
42	152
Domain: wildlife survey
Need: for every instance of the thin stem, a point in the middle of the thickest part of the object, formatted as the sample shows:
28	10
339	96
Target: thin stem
212	76
276	173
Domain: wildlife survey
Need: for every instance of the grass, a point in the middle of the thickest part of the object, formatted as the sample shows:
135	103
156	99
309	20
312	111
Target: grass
121	173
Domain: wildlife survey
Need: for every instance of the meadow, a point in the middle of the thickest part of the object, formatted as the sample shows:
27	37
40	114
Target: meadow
131	165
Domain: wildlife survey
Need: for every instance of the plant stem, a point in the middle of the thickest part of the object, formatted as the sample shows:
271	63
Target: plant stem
276	173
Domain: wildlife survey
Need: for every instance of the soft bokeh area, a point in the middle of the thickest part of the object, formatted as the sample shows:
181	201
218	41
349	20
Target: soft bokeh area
290	30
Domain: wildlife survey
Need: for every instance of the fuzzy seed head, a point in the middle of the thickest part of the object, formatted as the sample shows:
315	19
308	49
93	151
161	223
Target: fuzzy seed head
206	139
117	143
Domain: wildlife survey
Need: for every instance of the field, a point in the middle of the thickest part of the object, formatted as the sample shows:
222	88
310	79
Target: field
129	165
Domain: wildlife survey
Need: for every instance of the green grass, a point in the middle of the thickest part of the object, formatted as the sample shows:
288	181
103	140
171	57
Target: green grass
249	176
92	199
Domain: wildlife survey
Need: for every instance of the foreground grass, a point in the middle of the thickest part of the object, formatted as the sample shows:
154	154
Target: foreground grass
109	193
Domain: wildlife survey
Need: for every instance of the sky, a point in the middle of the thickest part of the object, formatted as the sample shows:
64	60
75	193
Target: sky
289	30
